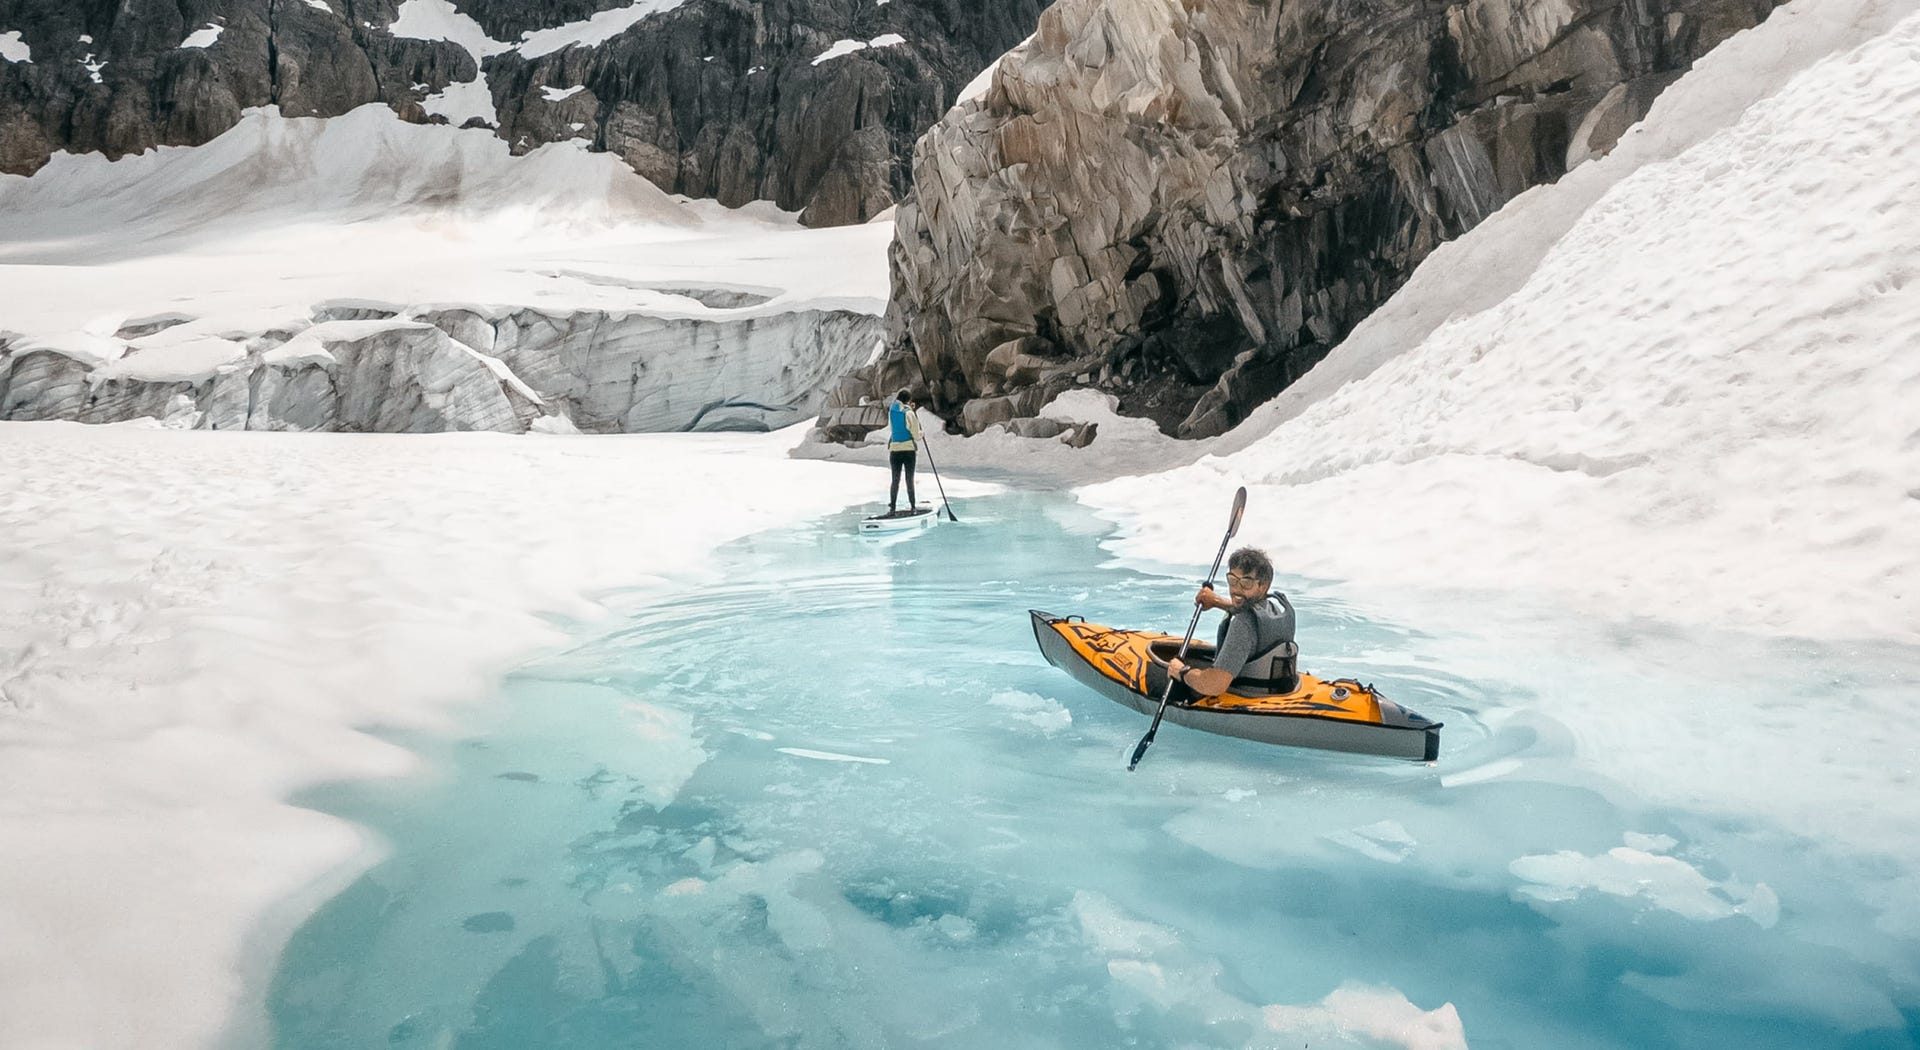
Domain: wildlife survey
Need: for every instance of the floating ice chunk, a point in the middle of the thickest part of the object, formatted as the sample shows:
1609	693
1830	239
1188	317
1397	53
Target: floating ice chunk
829	756
1651	843
1762	906
1154	971
702	852
1380	1014
1667	883
751	734
554	94
1383	841
685	887
1032	709
203	37
1499	767
13	49
801	926
957	928
668	753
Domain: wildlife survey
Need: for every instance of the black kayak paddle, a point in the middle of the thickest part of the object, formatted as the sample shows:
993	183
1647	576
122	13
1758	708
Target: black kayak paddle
1233	526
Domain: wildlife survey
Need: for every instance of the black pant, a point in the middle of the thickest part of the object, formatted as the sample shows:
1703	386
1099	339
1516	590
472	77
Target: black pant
896	461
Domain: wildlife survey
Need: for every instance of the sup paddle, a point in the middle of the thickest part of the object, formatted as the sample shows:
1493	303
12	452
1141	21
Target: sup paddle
951	516
1233	526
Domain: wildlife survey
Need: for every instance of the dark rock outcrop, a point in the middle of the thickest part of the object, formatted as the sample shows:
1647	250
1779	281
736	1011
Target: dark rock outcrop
111	75
715	98
725	100
1189	203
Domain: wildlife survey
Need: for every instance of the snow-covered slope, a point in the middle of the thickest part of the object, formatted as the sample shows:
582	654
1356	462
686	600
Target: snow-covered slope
1699	406
193	625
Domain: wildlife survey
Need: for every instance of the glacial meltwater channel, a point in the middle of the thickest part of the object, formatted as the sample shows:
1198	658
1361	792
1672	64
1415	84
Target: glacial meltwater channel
830	796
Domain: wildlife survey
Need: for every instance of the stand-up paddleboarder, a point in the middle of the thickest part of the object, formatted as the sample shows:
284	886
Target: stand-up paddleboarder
902	448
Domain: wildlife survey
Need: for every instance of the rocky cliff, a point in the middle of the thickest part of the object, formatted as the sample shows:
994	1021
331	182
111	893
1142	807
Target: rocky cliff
1189	202
813	104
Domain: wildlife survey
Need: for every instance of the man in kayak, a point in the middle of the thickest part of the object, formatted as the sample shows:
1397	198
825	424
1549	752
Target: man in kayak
902	447
1255	640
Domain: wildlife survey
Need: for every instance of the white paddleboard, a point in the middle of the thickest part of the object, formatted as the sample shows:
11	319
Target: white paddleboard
922	517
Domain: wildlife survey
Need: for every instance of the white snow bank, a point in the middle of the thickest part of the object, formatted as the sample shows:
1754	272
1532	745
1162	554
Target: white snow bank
1697	407
554	94
192	626
181	354
270	170
203	37
310	346
843	48
460	103
599	29
440	20
13	49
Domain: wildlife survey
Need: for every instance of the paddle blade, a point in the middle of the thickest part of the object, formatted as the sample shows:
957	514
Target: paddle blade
1239	508
1140	750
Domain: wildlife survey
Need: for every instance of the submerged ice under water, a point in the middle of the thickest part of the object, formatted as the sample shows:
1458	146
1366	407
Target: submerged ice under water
833	797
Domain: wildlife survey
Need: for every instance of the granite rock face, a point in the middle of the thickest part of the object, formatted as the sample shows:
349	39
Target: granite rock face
1187	203
713	98
363	368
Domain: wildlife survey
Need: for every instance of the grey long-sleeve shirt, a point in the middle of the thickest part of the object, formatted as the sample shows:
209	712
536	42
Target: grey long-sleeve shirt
1250	631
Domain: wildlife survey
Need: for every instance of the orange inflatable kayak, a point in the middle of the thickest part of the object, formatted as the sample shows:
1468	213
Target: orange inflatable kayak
1339	715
